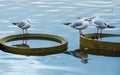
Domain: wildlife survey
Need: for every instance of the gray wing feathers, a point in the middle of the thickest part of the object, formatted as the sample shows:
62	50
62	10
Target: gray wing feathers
99	23
21	24
76	24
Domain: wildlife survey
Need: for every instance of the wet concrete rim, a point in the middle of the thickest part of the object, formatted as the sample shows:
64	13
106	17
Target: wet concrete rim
98	35
88	41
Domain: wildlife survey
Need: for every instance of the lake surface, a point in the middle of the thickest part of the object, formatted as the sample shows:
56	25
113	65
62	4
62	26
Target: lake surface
32	43
47	17
110	39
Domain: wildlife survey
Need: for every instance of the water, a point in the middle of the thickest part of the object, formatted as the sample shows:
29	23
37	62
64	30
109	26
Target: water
110	39
47	17
32	43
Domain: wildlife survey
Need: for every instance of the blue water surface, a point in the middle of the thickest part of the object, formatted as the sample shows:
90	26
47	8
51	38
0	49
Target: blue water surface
47	17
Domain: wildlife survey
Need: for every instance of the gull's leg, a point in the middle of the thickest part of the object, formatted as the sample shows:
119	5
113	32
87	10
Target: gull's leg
97	33
23	31
101	35
26	31
97	30
80	32
101	31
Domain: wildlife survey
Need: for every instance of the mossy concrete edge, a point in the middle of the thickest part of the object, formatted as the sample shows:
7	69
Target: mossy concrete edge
97	44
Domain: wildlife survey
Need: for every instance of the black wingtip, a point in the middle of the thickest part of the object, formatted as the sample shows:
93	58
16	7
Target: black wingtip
110	26
66	23
14	23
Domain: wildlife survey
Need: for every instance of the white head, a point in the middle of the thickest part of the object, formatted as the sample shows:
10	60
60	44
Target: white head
85	22
91	18
28	20
85	19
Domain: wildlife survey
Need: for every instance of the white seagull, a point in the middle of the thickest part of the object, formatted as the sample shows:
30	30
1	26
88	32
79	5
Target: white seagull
24	25
99	23
79	24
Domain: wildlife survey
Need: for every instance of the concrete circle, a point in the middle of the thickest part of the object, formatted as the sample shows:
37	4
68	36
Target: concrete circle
34	51
100	47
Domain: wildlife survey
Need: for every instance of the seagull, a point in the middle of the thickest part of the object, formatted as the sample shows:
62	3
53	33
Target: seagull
24	25
99	23
79	24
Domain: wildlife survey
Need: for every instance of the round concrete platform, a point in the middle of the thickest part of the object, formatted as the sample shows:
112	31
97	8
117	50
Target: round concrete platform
34	51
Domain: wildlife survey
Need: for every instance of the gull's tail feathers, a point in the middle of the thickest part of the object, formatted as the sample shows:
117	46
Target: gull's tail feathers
110	26
66	23
14	23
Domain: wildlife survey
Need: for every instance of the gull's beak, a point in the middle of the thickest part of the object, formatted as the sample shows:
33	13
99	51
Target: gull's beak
91	18
88	20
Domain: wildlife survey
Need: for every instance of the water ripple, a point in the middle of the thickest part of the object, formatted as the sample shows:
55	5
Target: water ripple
2	5
37	2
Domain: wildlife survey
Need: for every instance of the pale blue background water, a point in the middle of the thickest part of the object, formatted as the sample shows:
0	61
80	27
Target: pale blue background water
33	43
47	17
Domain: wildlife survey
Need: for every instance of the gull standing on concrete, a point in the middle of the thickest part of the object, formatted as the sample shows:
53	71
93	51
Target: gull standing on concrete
79	24
23	25
99	23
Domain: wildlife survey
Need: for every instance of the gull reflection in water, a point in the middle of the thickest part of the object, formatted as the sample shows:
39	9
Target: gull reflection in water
23	44
79	54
